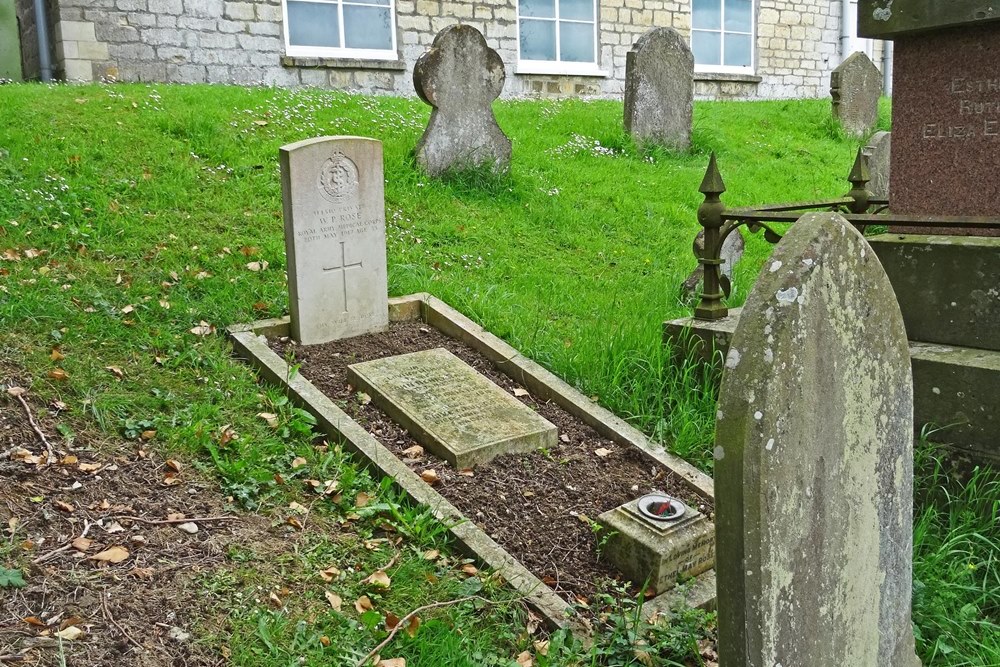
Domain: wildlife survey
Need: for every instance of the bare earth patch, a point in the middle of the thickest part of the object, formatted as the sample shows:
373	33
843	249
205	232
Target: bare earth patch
105	538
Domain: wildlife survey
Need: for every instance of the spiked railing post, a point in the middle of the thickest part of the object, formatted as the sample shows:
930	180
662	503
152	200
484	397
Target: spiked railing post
859	178
710	218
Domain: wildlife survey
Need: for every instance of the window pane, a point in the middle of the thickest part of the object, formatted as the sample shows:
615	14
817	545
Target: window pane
538	40
737	50
581	10
738	15
367	27
576	42
707	14
540	8
313	24
707	47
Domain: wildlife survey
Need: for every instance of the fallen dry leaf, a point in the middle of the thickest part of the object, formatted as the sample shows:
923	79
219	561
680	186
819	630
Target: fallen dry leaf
520	392
58	374
115	554
17	391
69	460
298	507
363	604
71	633
392	662
82	543
35	621
275	600
257	266
89	467
467	472
116	371
413	626
523	659
173	464
431	554
294	523
470	569
378	578
430	476
391	621
189	527
361	499
270	418
203	329
329	574
334	600
64	506
541	646
602	452
56	355
414	452
298	462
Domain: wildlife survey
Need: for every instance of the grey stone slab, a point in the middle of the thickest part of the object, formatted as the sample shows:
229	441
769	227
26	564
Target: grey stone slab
889	19
814	458
657	553
460	76
454	411
878	151
334	210
659	89
855	86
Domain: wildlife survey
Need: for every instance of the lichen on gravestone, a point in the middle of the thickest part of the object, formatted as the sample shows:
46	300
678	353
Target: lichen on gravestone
814	462
460	76
659	89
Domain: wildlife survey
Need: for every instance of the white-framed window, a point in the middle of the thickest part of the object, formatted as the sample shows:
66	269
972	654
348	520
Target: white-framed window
557	37
340	28
722	35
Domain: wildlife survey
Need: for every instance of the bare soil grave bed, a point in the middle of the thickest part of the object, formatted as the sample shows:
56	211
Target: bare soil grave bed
539	506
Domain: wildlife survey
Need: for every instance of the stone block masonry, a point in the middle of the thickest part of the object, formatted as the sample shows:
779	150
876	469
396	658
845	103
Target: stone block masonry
241	41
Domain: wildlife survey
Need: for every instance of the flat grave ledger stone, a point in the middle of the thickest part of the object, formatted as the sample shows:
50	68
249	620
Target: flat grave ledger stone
334	210
855	86
452	410
659	89
460	76
946	124
814	462
647	549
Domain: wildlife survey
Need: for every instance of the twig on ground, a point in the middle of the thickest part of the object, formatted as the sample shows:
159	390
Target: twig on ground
168	521
66	547
403	622
34	425
107	614
12	657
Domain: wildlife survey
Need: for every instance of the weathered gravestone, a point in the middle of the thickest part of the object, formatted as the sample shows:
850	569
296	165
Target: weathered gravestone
334	210
856	86
814	458
731	252
451	409
659	89
459	77
878	153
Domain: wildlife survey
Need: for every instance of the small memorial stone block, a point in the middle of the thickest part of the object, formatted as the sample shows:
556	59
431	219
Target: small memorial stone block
659	552
452	410
332	189
856	86
659	89
460	76
814	462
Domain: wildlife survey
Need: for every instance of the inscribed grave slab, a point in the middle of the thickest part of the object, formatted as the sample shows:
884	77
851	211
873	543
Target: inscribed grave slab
457	413
334	210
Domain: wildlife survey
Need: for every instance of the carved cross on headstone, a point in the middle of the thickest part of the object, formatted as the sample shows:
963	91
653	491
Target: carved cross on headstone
460	76
343	269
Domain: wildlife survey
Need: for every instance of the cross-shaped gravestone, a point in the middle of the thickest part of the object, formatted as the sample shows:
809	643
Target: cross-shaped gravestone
332	188
459	77
814	462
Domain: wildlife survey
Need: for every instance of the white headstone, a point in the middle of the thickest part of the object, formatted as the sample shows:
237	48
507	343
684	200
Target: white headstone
334	207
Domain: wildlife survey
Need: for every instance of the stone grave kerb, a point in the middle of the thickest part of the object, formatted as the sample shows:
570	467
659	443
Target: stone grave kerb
459	77
334	222
814	457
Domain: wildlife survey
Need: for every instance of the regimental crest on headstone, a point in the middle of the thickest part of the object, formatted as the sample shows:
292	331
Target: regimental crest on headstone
460	76
855	87
659	89
878	152
814	462
334	210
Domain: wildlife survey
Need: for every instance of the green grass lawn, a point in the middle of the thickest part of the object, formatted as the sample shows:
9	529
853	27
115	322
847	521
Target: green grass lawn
131	214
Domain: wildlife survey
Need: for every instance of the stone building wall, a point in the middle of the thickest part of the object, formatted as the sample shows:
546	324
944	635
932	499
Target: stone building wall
241	41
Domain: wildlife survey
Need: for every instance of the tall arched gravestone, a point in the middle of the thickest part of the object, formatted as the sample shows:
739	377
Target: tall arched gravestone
659	89
814	462
334	209
460	76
